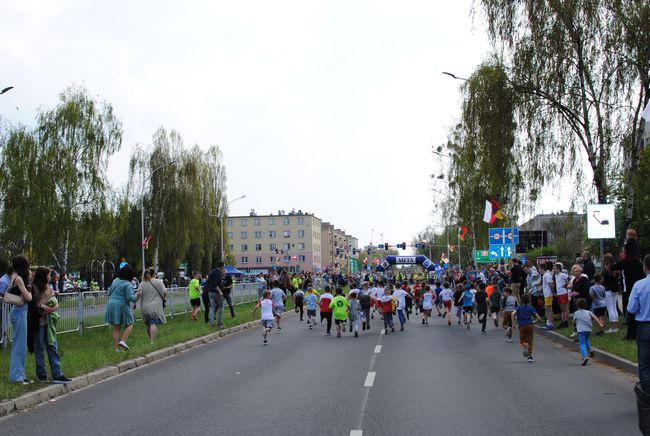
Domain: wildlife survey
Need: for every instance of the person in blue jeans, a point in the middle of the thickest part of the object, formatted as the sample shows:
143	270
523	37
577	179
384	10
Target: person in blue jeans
19	273
638	306
583	321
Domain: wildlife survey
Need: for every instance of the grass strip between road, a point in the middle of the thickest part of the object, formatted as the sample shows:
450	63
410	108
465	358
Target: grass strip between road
613	343
94	350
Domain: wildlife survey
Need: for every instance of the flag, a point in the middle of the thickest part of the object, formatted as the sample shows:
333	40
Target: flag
145	242
462	232
294	257
488	216
646	112
443	258
376	261
365	261
496	209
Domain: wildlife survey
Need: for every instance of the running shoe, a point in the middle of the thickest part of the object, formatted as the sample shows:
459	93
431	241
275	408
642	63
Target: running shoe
591	353
123	345
496	323
423	322
509	339
401	329
467	326
338	335
509	332
42	378
483	332
328	334
444	314
573	335
530	359
526	353
584	361
548	327
611	330
392	329
356	334
449	323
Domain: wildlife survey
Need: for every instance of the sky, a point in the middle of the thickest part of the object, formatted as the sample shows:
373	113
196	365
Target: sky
330	107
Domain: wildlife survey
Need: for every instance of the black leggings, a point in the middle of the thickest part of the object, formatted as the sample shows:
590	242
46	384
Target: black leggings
206	305
299	306
328	317
485	317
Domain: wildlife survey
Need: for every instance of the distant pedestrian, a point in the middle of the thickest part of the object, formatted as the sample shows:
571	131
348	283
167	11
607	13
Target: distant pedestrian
152	294
194	294
426	302
267	315
588	267
366	301
311	301
639	307
226	290
212	295
387	309
468	304
495	304
611	281
547	292
354	313
458	302
447	296
561	282
582	318
261	285
401	295
299	301
118	311
516	277
526	316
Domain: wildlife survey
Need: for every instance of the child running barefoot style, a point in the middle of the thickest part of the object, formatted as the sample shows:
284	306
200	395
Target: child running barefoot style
446	296
268	313
427	305
339	307
526	315
582	319
509	306
311	301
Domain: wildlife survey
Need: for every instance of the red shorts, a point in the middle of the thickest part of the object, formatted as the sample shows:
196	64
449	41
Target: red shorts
563	299
447	304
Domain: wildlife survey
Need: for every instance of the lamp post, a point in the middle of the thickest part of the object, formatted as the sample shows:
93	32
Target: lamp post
223	215
8	88
144	179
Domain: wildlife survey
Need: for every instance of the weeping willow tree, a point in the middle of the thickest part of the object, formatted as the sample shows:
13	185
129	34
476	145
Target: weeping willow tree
482	147
183	193
580	70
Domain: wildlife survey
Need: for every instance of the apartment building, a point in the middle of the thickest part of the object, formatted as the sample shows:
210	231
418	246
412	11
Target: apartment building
336	247
290	241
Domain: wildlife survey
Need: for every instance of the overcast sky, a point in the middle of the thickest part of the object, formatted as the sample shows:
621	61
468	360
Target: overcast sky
330	107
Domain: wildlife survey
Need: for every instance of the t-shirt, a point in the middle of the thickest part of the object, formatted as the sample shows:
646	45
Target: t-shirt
193	289
468	298
481	300
355	307
278	296
561	280
446	294
386	304
458	295
427	301
267	309
525	315
310	301
364	300
547	279
598	295
299	294
583	319
495	298
325	301
509	303
339	306
400	294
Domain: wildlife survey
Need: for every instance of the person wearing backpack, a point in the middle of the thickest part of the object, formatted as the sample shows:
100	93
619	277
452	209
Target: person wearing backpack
365	298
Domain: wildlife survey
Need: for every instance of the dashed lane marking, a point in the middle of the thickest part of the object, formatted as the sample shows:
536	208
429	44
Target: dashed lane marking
356	433
377	349
370	379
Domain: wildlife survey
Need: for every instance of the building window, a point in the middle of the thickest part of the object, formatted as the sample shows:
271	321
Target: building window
286	221
258	221
230	235
271	221
258	247
286	259
301	246
244	235
244	259
301	233
258	235
244	222
286	247
229	222
273	247
272	234
301	221
244	247
301	259
232	247
258	259
272	259
286	234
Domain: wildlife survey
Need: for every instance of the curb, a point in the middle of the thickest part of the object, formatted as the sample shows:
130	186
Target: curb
603	356
53	391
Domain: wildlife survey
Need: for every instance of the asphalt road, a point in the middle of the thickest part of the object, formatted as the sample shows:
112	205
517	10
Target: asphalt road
427	381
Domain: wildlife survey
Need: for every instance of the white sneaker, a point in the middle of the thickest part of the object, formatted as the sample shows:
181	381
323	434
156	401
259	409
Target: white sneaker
573	335
611	331
123	345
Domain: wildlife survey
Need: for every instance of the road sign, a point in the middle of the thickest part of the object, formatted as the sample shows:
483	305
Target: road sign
601	221
504	236
523	260
380	246
501	251
483	256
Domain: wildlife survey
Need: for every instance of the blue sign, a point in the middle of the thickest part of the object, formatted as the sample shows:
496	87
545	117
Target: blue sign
523	260
380	246
418	245
504	236
501	251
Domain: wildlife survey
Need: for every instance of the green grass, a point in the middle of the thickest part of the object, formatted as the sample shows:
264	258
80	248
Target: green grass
94	350
609	342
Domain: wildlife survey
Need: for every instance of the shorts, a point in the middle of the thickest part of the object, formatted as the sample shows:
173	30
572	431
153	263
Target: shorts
507	319
548	301
468	309
494	309
195	302
447	304
427	312
279	310
339	321
153	321
267	323
311	312
600	311
563	299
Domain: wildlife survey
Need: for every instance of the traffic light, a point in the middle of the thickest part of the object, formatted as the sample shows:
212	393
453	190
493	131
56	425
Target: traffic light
385	245
354	251
402	246
423	245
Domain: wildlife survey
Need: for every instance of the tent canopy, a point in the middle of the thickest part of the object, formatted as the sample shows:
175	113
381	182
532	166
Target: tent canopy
231	270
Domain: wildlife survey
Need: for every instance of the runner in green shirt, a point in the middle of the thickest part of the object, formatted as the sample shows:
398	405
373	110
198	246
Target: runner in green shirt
194	290
339	306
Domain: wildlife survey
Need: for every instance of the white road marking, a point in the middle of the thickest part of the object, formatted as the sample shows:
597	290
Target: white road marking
370	379
382	332
377	349
356	432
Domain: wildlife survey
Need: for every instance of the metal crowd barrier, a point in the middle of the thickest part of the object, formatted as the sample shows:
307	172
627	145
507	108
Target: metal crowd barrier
85	310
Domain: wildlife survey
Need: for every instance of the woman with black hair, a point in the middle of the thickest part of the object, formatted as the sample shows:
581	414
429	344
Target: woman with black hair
118	311
18	285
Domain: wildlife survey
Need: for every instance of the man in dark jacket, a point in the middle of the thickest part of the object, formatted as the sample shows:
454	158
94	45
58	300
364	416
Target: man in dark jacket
588	267
212	292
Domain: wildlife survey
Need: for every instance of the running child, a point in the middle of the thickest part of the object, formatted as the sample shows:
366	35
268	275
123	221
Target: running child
509	306
458	302
354	313
386	302
468	304
481	306
495	304
439	304
582	319
526	315
446	296
311	302
279	298
598	295
366	301
268	313
325	311
401	295
339	305
427	305
298	301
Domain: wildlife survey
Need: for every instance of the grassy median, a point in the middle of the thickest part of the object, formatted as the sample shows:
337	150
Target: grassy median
94	350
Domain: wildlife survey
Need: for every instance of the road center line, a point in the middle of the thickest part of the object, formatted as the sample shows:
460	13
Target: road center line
377	349
382	332
356	433
370	379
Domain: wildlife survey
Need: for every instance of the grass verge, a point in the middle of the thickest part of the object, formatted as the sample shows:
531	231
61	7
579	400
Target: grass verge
94	350
613	343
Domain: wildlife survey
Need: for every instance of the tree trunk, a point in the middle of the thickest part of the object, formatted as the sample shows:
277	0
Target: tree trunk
66	244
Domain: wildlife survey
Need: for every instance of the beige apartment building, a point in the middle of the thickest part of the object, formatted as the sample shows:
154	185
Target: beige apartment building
336	247
263	243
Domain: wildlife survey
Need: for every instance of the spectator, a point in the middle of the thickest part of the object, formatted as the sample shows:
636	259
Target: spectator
631	249
194	294
580	287
639	306
118	312
215	296
152	294
226	289
611	284
588	267
516	277
18	285
261	285
631	272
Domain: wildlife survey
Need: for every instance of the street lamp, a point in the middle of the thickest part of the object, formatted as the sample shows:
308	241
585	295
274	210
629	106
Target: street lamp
453	76
144	179
223	215
8	88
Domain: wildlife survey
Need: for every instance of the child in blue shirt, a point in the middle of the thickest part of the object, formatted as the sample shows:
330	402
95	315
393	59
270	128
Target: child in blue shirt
468	303
311	301
526	315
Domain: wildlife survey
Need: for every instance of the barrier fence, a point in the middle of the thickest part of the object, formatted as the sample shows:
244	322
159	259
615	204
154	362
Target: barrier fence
85	310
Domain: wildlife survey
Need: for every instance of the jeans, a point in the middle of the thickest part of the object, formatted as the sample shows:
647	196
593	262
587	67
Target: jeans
388	320
40	347
643	350
220	307
228	299
214	305
402	318
585	345
19	343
